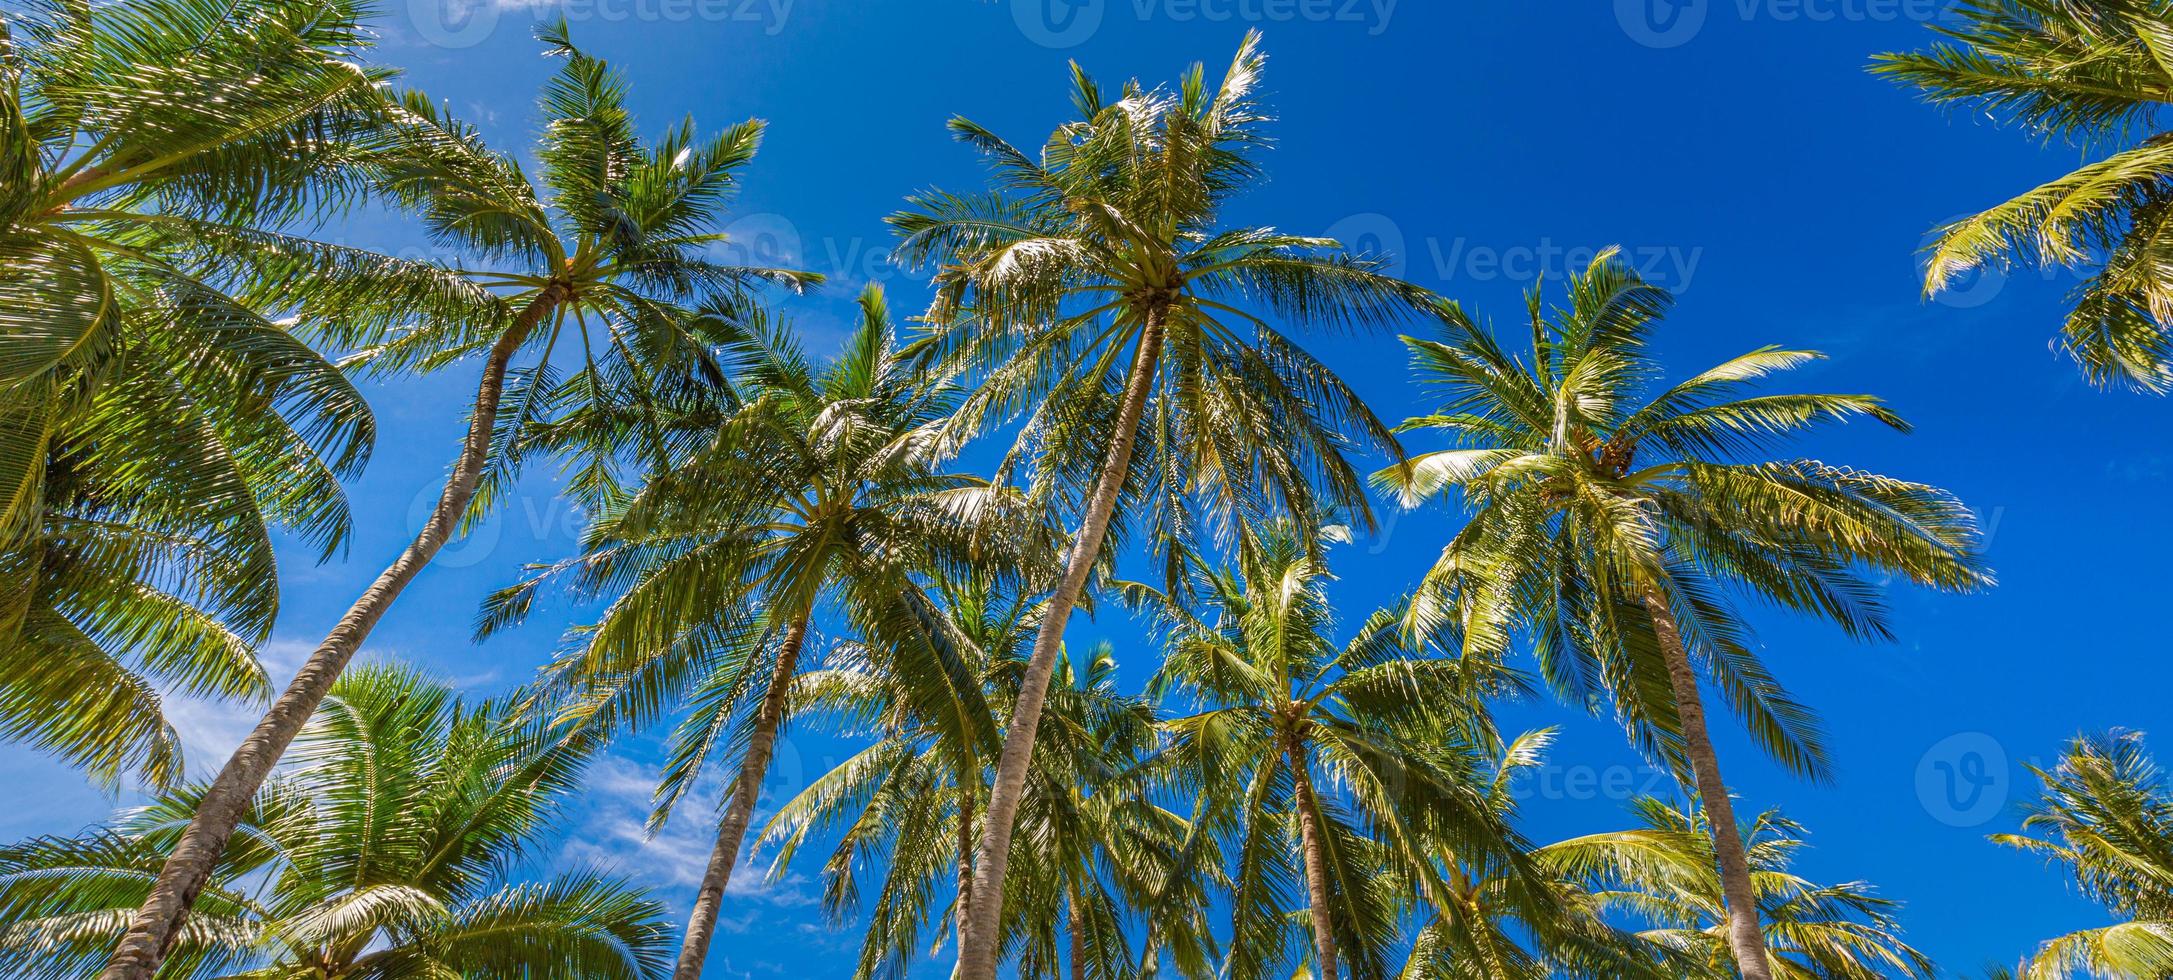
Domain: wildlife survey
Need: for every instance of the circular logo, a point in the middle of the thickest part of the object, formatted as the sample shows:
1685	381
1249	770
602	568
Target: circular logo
460	550
1661	23
1961	287
453	23
1057	23
762	240
1373	236
1962	780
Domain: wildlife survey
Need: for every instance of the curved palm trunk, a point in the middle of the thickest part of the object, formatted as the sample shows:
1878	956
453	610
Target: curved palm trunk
151	933
1316	860
977	952
702	924
1745	939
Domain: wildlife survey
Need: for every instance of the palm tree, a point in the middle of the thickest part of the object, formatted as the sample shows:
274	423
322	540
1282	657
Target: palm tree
907	802
2105	814
1662	873
1108	858
2091	72
1097	286
603	258
381	852
155	427
1348	759
823	491
1489	925
1607	522
903	809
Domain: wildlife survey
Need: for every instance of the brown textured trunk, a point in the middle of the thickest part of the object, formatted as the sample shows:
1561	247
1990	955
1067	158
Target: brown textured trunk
1745	941
1075	928
977	954
151	933
965	857
702	924
1316	859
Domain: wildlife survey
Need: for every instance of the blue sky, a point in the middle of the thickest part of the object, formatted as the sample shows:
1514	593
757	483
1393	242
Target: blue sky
1735	148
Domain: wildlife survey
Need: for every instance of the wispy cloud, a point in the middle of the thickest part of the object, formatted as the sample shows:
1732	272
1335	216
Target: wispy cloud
613	834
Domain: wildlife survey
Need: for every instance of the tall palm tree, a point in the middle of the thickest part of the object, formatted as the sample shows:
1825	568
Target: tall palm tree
380	852
2095	73
2106	815
155	427
601	259
1330	762
1662	873
823	492
1609	517
1096	285
903	809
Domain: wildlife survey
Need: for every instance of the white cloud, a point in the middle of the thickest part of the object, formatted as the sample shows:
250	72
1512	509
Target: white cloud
614	835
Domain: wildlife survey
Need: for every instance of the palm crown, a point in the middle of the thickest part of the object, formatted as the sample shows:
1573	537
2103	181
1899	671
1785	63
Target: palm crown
822	491
604	266
1588	484
2106	815
1112	241
380	852
2094	72
824	484
1307	743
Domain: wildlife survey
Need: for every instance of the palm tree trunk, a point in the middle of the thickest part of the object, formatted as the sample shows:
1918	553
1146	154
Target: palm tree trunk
1316	860
151	933
702	924
1075	929
1745	939
977	953
965	856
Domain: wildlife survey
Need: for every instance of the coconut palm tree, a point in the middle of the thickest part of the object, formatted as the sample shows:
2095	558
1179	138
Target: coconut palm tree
903	809
907	803
1330	763
1096	285
380	851
156	428
2105	814
1610	517
603	260
824	492
2094	73
1663	873
1487	924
